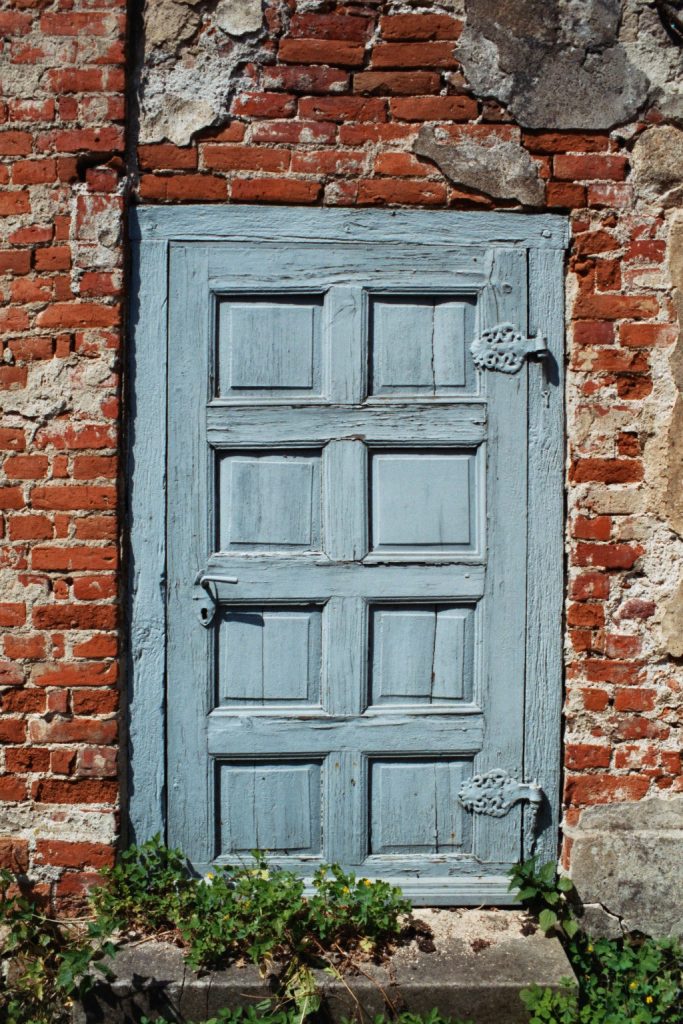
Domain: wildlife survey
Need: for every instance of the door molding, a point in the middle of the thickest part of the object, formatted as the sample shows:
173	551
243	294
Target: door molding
152	231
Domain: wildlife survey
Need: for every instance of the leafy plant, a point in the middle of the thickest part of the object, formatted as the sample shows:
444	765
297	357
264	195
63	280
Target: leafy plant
266	1013
45	964
635	980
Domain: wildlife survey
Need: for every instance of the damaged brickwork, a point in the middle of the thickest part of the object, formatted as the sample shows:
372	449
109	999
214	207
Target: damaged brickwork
354	103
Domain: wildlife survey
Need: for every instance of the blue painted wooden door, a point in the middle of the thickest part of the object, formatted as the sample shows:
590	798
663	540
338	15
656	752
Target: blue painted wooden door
347	555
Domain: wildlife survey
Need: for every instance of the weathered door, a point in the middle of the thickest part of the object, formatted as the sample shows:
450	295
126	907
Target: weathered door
354	569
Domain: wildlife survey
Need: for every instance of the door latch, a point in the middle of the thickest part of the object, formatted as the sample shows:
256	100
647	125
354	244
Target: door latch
495	793
207	597
505	347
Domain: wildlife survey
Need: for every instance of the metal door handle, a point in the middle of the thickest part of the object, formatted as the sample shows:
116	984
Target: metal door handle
206	577
206	605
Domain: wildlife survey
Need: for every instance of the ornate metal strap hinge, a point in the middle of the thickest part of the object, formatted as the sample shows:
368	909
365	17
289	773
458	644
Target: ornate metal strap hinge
504	348
496	792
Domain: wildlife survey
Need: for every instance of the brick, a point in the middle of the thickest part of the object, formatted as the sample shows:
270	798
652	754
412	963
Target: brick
402	165
328	161
589	615
591	243
165	156
74	558
306	78
76	80
91	140
245	158
52	258
434	108
614	307
27	759
11	497
82	791
275	190
76	730
337	52
12	439
610	670
103	645
379	192
97	763
95	702
30	647
14	855
594	699
87	23
590	586
634	698
567	142
13	203
73	496
12	789
590	167
603	788
343	108
26	467
13	377
648	335
15	23
96	528
419	27
610	471
609	556
560	195
95	588
60	853
597	528
265	104
12	613
413	55
11	674
78	314
397	83
78	437
329	26
12	730
17	261
314	132
74	616
34	172
186	187
15	143
637	608
90	467
579	756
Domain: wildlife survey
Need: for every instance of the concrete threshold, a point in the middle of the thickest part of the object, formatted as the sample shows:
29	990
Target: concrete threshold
481	961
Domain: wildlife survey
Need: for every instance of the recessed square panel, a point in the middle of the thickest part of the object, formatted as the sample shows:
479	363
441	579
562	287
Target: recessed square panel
269	501
420	654
274	806
423	501
269	655
419	344
414	806
269	347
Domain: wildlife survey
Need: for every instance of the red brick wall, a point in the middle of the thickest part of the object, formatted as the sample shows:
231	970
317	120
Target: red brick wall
61	145
330	120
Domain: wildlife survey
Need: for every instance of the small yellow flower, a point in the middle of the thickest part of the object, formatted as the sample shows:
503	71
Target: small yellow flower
590	949
649	999
210	875
366	881
345	888
633	985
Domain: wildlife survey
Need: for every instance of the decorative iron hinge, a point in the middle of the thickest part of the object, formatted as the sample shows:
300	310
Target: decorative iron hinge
504	347
495	793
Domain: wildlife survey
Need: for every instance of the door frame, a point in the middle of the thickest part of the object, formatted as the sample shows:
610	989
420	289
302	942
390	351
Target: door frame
152	232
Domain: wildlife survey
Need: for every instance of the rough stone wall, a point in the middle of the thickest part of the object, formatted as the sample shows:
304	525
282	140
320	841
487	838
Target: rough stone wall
368	103
61	260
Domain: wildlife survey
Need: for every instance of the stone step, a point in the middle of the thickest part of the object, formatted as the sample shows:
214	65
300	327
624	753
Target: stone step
481	961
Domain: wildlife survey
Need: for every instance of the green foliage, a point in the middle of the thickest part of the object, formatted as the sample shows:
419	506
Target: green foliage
635	980
44	965
146	889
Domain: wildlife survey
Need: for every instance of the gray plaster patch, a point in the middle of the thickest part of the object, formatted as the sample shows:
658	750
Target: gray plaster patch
554	63
652	51
501	169
657	161
191	66
627	858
